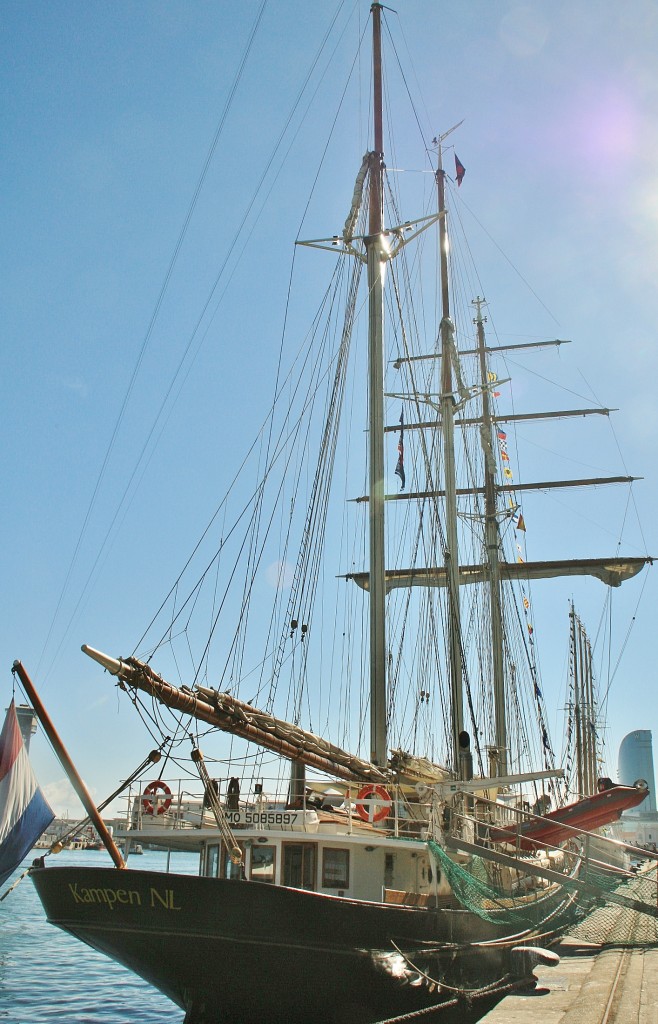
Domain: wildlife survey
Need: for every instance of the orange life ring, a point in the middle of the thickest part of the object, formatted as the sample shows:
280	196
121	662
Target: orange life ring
373	803
150	790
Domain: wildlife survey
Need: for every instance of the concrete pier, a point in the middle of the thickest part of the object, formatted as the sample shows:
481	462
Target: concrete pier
590	985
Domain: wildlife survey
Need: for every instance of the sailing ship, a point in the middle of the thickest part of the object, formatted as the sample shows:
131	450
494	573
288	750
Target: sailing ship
352	887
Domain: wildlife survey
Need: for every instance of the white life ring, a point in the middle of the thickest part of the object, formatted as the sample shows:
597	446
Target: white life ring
150	790
373	803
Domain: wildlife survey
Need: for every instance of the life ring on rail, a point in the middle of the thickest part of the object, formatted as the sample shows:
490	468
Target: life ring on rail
373	803
151	789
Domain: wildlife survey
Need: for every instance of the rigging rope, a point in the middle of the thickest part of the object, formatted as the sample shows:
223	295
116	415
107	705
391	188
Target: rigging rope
210	793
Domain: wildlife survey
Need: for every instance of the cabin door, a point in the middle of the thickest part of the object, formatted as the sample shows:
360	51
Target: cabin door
300	865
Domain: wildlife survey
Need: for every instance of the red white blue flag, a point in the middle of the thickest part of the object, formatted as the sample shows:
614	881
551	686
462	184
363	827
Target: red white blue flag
24	812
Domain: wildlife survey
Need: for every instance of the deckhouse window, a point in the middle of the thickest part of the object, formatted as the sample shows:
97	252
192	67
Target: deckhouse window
299	865
212	861
262	863
335	869
229	869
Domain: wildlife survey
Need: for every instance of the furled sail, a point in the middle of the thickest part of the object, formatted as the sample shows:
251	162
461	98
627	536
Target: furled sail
611	571
241	719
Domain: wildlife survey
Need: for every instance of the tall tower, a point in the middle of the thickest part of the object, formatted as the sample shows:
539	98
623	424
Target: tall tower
27	722
636	762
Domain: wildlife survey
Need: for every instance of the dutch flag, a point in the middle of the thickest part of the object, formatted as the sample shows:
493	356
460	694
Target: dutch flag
24	812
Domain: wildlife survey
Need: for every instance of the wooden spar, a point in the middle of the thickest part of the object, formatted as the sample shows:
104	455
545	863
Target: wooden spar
240	719
540	485
474	351
68	766
469	421
611	571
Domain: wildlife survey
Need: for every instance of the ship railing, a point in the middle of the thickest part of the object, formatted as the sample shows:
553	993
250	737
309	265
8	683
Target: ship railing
178	805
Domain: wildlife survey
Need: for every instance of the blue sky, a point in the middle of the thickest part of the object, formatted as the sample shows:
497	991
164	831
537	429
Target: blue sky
109	113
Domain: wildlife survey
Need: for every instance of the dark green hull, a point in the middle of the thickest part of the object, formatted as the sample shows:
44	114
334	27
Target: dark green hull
240	952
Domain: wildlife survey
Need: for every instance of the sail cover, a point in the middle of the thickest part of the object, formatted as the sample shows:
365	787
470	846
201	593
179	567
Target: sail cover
24	812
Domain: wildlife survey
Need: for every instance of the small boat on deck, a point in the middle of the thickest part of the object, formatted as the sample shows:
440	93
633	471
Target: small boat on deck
586	814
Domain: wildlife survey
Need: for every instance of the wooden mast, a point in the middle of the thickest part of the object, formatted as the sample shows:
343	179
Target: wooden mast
447	409
376	261
68	766
492	544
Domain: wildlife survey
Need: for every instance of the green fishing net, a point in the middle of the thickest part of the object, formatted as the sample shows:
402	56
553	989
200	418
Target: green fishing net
613	909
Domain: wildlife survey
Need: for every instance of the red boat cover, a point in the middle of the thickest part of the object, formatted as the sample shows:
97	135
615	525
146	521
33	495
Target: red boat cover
587	814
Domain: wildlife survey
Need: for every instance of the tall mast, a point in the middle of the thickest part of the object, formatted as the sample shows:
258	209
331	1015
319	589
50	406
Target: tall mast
376	260
492	543
447	407
577	702
380	247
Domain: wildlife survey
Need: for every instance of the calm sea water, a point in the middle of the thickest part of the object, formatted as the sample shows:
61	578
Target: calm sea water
45	975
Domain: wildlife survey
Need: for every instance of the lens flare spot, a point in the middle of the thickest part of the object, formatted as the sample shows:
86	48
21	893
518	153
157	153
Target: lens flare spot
280	575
